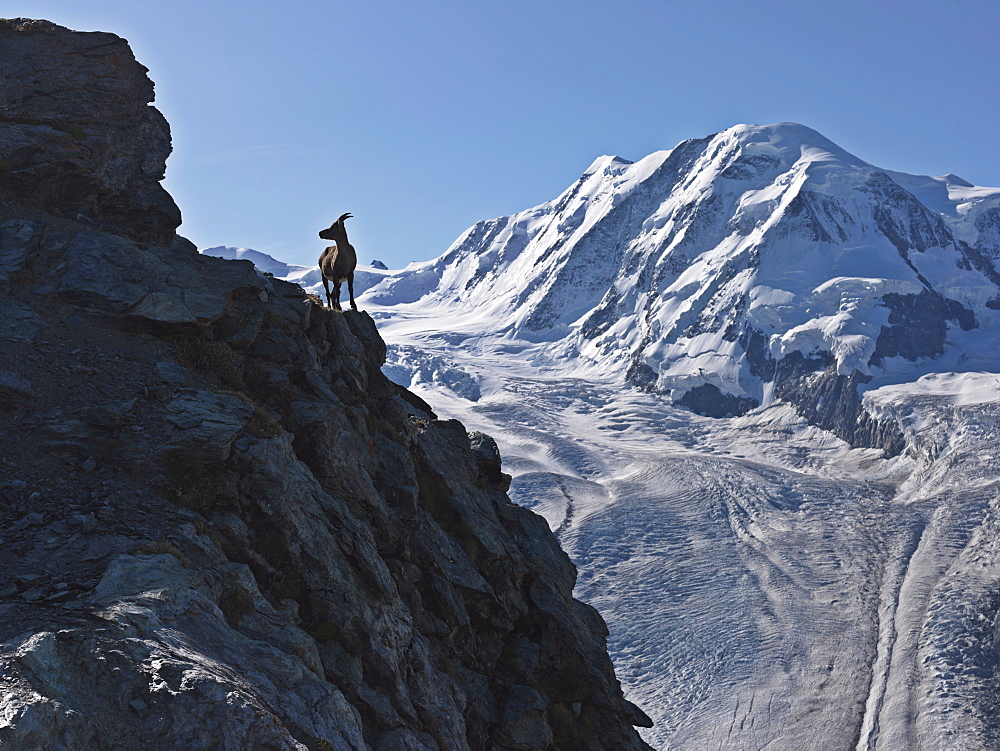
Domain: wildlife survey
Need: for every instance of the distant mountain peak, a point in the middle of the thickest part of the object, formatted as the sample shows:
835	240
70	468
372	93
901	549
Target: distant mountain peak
606	162
956	180
262	261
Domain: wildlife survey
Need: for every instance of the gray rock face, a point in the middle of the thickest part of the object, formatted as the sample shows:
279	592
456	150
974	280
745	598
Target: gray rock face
101	154
918	325
223	527
204	425
988	226
110	274
20	321
831	401
708	400
818	392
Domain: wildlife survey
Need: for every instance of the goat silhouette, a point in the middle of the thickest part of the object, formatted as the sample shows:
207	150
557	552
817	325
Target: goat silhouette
337	262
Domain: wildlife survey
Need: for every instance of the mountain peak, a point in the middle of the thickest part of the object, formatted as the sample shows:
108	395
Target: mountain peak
262	261
790	143
614	163
952	179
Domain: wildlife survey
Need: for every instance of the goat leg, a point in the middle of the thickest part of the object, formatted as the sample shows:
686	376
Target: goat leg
326	286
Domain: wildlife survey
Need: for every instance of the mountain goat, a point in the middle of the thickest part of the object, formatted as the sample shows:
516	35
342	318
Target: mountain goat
337	263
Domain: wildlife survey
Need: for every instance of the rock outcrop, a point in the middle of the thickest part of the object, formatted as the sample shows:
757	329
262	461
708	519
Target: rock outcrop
77	134
223	527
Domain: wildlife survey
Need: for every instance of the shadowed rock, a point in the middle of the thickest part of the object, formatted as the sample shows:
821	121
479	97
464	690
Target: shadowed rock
77	134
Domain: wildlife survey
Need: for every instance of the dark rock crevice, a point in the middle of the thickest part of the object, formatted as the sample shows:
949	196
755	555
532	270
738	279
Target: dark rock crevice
811	385
831	401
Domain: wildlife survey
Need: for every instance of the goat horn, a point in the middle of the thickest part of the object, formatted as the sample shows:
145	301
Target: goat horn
345	216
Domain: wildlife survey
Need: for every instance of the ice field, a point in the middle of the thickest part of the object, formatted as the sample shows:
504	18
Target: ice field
766	586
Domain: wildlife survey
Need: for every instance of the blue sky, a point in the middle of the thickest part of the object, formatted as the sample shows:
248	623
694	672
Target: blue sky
422	118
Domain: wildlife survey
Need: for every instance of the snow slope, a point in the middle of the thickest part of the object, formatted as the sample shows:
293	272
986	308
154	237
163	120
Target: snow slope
770	579
766	585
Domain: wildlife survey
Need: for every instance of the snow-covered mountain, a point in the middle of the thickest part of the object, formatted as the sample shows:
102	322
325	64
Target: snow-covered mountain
756	265
262	261
820	570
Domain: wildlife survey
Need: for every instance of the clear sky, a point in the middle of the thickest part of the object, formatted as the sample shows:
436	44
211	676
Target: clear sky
422	118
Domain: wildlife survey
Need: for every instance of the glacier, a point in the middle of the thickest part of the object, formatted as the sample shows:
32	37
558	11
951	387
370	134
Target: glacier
752	384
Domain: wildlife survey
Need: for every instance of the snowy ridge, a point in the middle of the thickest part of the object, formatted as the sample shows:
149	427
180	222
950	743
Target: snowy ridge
971	211
262	261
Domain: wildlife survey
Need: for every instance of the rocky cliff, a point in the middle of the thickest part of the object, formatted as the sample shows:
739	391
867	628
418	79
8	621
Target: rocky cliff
222	526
